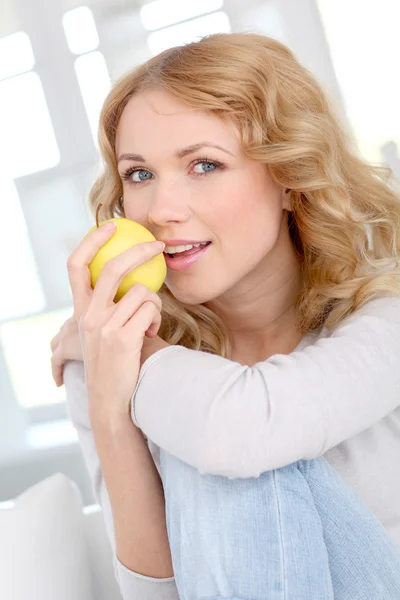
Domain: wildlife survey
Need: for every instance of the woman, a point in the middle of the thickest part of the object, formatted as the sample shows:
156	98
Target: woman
279	338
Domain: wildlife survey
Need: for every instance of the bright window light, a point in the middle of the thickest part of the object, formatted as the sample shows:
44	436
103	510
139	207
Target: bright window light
26	347
54	433
162	13
94	82
22	292
27	136
16	55
190	31
365	48
80	30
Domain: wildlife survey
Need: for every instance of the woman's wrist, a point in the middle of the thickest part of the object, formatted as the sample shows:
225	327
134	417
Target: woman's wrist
111	421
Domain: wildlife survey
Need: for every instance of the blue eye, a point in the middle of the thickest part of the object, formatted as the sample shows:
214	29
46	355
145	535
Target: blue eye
206	165
137	175
134	175
141	175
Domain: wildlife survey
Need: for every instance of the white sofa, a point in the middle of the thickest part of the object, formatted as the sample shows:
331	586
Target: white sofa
53	548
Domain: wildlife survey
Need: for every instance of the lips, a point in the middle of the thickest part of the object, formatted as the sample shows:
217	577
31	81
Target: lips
188	252
180	262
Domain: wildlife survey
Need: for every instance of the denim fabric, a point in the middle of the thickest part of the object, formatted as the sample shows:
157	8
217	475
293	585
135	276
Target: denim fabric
296	533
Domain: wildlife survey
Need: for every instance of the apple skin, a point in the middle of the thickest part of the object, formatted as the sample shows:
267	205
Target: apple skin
127	234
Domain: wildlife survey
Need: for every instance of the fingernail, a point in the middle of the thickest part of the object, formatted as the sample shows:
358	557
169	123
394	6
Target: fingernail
108	226
159	245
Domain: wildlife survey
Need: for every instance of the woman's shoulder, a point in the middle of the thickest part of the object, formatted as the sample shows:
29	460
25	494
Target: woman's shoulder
385	307
384	310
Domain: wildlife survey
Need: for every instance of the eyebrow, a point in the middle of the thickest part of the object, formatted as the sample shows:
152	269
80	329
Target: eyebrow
179	153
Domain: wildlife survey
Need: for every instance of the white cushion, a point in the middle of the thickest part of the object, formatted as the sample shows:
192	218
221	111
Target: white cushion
105	586
43	551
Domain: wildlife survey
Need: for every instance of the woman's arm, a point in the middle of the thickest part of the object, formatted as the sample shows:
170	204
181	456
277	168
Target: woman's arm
227	419
142	558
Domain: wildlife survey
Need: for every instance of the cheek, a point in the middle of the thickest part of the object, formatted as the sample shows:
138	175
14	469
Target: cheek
249	217
135	210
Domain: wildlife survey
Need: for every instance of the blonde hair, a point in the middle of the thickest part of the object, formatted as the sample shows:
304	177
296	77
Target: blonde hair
345	219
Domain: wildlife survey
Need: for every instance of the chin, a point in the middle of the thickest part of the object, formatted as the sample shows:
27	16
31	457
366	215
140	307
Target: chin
190	297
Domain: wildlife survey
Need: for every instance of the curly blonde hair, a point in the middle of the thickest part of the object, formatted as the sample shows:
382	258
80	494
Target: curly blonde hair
345	219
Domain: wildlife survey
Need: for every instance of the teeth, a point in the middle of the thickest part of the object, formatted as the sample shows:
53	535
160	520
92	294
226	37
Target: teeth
175	249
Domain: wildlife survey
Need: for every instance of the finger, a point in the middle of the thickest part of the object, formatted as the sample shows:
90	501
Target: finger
146	317
69	324
153	329
130	303
57	368
70	327
54	341
78	265
115	270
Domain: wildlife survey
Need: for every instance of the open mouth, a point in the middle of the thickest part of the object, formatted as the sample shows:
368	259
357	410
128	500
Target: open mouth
188	252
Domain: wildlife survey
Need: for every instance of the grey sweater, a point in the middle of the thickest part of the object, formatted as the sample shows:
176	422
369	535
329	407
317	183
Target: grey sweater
336	395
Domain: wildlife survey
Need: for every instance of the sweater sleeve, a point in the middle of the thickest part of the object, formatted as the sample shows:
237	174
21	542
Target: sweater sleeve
132	585
228	419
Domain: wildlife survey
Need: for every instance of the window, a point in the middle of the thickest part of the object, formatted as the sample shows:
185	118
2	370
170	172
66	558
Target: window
43	189
177	22
27	145
159	14
90	67
27	135
188	31
26	348
16	55
94	82
80	30
367	71
27	138
18	271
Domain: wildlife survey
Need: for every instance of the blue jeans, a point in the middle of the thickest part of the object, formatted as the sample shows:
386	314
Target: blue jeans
296	533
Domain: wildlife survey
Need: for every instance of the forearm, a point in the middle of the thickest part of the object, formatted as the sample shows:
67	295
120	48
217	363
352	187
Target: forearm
136	496
228	419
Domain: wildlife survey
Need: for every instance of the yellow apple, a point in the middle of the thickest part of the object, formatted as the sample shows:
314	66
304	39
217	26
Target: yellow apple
127	234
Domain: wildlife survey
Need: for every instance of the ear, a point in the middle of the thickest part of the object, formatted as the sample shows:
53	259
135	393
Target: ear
286	199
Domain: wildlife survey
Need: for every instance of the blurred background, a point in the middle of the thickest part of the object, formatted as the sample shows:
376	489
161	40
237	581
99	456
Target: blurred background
58	59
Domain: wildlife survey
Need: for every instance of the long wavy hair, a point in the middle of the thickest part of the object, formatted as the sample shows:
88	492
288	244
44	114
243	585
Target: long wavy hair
345	219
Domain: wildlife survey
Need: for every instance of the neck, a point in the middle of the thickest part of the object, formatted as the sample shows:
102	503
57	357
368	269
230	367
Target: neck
259	313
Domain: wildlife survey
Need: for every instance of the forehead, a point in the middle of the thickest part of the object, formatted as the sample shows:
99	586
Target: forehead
156	117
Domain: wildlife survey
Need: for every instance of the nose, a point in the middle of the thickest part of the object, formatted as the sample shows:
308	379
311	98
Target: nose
168	205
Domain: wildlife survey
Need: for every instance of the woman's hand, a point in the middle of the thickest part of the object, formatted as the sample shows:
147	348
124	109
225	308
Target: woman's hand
66	345
112	334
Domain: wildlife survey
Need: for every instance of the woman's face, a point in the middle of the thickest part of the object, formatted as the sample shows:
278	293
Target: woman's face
181	186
